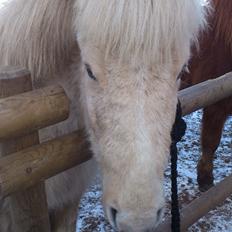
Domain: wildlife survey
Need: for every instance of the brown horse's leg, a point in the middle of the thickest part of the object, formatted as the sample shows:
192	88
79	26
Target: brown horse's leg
64	220
212	125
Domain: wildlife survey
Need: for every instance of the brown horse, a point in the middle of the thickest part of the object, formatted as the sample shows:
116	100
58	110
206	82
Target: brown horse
212	59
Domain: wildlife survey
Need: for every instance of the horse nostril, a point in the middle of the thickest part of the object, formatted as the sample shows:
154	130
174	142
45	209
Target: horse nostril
159	214
113	216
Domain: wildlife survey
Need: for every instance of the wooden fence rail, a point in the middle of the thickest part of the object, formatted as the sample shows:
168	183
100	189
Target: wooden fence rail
201	206
205	93
27	112
28	167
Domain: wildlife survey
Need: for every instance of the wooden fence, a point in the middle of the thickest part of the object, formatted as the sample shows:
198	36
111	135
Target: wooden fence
26	163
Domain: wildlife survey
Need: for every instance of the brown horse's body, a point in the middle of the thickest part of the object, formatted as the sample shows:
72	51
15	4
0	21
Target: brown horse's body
211	60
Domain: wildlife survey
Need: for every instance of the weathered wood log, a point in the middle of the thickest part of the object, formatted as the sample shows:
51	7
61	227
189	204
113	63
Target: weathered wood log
27	167
20	78
202	205
28	112
28	209
205	93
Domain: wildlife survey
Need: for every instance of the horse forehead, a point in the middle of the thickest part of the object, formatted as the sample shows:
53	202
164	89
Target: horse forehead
139	28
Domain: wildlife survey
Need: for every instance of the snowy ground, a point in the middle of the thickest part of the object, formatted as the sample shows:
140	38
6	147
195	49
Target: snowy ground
2	2
91	216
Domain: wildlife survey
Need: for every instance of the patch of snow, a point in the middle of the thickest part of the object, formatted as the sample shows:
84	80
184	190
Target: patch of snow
2	2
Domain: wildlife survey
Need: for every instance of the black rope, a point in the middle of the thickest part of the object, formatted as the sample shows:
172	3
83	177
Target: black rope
178	131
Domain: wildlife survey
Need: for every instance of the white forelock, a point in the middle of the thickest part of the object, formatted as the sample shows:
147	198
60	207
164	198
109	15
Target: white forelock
154	30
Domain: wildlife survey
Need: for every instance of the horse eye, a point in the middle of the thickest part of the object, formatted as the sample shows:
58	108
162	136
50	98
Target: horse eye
183	70
89	71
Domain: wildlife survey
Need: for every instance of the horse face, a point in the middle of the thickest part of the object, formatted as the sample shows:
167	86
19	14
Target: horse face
131	59
129	115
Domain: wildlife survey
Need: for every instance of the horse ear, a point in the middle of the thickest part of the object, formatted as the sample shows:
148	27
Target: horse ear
38	35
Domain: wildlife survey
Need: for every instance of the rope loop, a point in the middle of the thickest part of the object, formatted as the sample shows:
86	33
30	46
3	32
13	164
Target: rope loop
178	131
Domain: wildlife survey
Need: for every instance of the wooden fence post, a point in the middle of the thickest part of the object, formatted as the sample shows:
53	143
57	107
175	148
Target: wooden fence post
29	212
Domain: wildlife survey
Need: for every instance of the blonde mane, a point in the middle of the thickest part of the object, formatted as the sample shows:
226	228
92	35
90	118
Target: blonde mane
39	34
129	29
140	28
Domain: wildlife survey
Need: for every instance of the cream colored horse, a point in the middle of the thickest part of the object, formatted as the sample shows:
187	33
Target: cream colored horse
118	61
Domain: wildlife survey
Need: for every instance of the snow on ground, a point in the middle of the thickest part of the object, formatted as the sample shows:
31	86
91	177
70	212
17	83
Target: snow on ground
2	2
91	217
